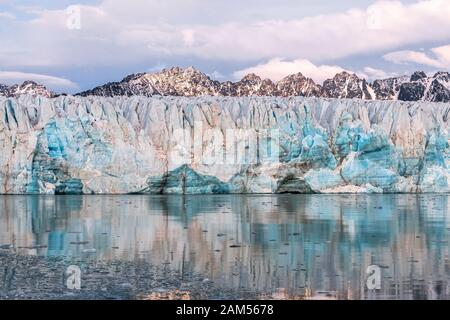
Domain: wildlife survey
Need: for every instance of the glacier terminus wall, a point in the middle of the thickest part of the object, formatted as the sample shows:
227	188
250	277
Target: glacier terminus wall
175	145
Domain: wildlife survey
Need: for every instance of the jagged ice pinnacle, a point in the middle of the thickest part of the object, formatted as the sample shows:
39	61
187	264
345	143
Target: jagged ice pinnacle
83	145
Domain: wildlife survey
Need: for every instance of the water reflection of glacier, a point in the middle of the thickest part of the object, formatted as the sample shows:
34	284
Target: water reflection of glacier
300	245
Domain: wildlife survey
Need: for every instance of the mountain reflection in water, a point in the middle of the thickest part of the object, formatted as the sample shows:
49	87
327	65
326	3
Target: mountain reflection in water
283	246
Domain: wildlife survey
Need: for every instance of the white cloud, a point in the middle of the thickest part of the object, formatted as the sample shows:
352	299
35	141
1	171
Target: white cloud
141	31
383	26
15	77
216	75
156	68
276	69
373	74
443	55
408	56
7	15
439	58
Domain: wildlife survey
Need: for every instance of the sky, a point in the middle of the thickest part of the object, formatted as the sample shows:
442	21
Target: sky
71	46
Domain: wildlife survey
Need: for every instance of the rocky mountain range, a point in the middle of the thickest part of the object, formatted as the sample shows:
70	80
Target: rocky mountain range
27	87
190	82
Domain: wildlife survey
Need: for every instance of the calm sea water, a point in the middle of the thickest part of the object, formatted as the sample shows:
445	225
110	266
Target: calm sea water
281	246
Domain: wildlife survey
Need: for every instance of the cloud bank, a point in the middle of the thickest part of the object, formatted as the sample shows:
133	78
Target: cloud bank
439	57
54	83
218	33
112	32
277	68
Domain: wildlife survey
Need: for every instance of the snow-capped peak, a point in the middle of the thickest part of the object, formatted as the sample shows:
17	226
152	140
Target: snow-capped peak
27	87
190	82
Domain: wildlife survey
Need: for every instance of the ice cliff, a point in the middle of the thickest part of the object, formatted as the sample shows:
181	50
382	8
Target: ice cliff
74	145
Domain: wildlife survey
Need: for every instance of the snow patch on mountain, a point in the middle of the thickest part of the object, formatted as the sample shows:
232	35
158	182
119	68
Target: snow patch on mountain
27	87
191	82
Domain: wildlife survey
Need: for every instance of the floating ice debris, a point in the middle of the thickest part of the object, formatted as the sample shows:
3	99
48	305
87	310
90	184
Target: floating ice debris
32	247
79	242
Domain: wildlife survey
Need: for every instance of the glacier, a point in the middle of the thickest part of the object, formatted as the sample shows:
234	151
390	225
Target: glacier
189	145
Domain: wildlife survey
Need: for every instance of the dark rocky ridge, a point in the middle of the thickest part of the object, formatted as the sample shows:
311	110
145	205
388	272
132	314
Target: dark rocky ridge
191	82
27	87
346	85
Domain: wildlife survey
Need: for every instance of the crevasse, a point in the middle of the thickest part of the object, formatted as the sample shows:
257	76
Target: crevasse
84	145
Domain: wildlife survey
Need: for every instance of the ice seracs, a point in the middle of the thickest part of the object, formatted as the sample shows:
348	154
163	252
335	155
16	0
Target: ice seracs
75	145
